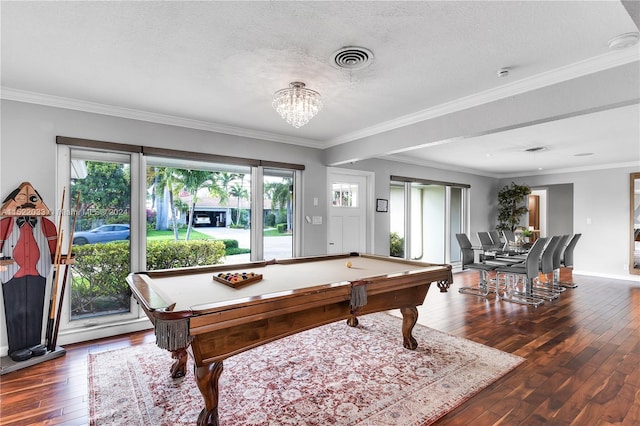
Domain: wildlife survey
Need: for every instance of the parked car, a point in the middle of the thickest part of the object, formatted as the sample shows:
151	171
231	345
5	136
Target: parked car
102	234
201	220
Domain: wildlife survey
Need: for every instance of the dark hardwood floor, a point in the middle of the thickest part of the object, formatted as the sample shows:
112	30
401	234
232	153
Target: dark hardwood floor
582	360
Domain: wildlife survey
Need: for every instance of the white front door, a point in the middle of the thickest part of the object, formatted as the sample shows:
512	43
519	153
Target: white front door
347	213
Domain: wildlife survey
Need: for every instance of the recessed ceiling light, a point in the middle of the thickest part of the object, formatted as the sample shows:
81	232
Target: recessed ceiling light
503	72
583	154
624	40
535	149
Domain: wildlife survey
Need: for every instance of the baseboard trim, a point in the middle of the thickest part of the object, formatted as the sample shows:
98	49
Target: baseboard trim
628	277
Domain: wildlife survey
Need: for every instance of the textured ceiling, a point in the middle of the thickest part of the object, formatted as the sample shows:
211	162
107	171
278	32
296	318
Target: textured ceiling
220	63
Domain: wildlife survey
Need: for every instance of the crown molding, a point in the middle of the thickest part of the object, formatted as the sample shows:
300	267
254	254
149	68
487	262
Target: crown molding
454	168
18	95
574	169
435	165
588	66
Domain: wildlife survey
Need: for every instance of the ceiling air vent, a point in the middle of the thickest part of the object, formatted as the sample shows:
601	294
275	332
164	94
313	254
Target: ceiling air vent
352	58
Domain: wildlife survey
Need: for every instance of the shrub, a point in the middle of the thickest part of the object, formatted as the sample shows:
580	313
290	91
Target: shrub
396	245
99	274
179	254
100	270
230	244
282	216
270	220
282	227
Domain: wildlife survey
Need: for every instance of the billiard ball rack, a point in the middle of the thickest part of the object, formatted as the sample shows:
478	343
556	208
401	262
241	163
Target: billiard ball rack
237	279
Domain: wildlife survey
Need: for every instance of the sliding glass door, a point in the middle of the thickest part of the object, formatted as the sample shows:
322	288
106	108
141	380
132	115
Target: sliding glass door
278	213
456	221
424	218
100	198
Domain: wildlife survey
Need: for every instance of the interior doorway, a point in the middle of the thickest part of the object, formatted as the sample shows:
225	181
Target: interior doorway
537	221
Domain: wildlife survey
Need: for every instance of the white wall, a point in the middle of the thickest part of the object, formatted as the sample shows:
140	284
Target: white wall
600	214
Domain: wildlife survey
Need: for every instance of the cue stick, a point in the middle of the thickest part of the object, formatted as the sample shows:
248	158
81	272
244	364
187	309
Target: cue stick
54	290
66	274
54	285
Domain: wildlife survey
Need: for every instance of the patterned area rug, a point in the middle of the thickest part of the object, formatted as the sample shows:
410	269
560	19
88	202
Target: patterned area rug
330	375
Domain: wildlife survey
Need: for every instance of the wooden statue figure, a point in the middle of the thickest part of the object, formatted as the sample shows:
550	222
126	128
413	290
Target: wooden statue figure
30	239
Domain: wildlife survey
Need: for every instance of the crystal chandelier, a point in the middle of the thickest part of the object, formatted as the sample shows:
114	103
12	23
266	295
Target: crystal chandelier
296	104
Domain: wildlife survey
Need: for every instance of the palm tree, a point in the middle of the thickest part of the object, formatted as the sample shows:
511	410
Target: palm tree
224	181
157	180
239	191
173	188
192	181
281	197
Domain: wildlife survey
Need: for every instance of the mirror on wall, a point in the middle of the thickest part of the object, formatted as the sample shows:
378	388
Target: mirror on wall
634	254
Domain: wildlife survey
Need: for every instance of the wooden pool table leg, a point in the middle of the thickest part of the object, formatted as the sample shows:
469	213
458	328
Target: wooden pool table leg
207	378
409	319
444	285
352	321
179	367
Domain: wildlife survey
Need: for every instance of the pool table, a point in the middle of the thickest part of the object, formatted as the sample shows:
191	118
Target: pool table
194	314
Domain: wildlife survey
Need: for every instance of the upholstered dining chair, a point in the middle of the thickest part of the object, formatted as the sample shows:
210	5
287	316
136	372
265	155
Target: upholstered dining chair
567	258
546	289
492	251
509	236
495	237
486	242
519	279
557	262
468	262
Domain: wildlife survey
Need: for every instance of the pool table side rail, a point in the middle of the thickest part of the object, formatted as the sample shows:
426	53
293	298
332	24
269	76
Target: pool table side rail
153	303
191	270
272	304
208	308
226	333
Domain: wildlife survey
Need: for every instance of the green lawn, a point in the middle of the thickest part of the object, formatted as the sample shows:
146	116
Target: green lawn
272	232
168	235
195	235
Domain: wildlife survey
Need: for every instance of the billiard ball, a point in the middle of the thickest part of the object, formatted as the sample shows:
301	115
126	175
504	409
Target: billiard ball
348	264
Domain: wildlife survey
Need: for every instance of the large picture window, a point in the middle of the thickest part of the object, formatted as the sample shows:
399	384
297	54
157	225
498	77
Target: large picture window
147	209
202	209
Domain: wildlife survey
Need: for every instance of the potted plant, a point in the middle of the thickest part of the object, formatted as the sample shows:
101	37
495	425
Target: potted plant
512	205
